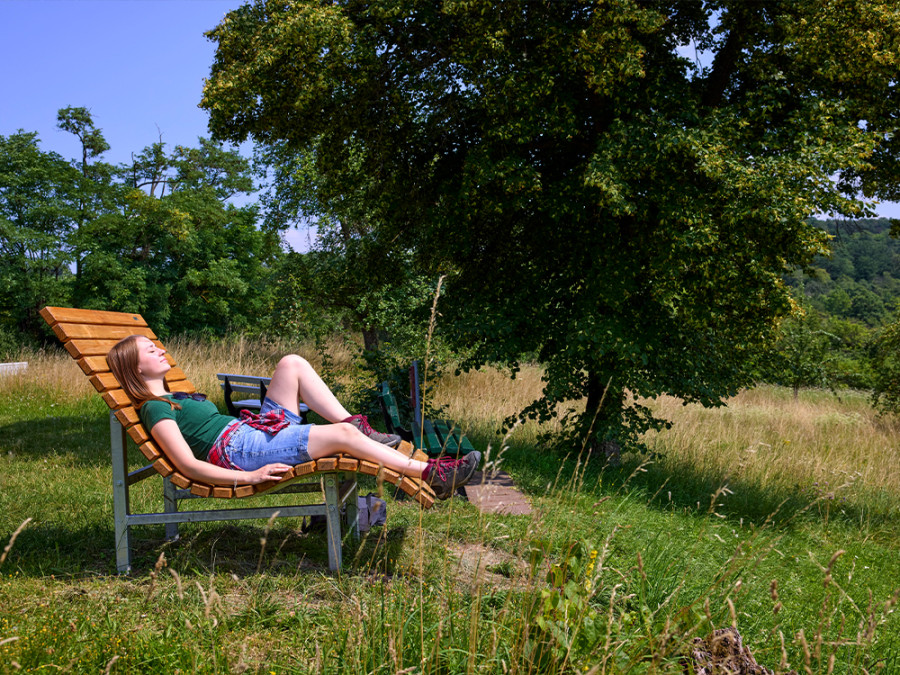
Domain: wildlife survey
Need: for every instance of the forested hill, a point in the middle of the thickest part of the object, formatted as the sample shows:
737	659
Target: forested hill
860	281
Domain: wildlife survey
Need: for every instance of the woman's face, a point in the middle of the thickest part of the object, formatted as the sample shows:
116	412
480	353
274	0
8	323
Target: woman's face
152	361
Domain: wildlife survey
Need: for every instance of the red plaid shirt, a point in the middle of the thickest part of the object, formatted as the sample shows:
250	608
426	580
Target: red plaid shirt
271	422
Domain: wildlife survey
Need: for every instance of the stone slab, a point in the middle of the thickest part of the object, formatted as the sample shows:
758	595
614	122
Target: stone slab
496	493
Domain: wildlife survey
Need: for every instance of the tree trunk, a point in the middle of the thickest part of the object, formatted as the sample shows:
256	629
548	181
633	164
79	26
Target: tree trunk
370	339
603	412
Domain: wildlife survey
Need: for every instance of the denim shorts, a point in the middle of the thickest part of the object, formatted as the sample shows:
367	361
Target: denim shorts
251	448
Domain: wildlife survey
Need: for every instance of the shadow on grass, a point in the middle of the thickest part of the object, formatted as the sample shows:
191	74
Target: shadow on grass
85	439
201	549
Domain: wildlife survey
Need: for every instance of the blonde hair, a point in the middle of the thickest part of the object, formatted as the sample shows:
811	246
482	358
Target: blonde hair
123	360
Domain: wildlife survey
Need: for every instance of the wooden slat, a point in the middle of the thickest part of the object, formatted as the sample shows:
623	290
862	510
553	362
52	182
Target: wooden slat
326	464
368	468
93	364
448	437
116	399
163	467
408	486
128	417
138	434
150	451
86	331
180	481
390	476
221	492
347	464
425	499
80	348
70	315
244	491
104	382
201	490
305	468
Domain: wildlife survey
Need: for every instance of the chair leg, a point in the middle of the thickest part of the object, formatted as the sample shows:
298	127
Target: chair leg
333	520
170	505
120	495
353	509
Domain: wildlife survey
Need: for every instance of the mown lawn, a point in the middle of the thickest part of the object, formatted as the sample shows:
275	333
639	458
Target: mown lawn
779	517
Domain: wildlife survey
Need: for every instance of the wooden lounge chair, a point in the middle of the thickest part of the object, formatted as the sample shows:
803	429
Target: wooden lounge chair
88	335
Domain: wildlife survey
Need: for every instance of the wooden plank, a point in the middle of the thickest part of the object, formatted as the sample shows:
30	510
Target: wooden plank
429	439
305	468
116	398
368	468
447	436
180	481
149	451
244	491
390	405
201	490
91	365
104	382
347	464
425	499
408	486
390	476
86	331
326	464
128	417
80	348
163	467
222	492
138	434
54	315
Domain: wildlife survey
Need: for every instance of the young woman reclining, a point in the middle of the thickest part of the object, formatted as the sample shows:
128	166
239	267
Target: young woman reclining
218	449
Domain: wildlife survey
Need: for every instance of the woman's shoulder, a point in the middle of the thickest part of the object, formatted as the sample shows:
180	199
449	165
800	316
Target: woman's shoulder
154	411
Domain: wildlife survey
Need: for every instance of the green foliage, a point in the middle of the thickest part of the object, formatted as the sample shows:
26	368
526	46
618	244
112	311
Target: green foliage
860	278
594	197
886	366
802	353
159	236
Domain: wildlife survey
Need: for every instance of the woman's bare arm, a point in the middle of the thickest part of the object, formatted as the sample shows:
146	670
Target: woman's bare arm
168	435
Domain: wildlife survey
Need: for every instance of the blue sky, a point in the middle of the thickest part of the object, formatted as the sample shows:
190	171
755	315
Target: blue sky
138	65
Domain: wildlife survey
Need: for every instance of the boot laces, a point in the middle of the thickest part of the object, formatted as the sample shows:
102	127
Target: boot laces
442	464
364	425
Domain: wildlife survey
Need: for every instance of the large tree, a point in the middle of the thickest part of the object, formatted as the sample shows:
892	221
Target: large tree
598	198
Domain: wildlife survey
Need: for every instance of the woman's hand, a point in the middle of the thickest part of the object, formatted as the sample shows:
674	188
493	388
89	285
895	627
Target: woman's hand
267	472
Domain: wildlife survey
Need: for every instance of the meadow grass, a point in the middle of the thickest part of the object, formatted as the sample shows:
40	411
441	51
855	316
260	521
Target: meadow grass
774	515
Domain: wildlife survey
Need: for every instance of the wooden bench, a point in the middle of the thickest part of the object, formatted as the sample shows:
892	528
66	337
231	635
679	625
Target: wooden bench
88	335
435	437
253	385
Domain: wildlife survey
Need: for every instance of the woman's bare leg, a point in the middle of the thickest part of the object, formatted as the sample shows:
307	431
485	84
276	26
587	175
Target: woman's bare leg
331	439
295	380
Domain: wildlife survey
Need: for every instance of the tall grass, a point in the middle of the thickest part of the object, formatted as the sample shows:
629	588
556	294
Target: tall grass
773	515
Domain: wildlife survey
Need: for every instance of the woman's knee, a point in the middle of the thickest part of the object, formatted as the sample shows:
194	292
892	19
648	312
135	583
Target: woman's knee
337	436
294	363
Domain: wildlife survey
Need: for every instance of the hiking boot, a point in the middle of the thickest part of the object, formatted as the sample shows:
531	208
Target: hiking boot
445	474
362	423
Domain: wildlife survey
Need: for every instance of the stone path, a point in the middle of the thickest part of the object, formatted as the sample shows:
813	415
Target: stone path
497	494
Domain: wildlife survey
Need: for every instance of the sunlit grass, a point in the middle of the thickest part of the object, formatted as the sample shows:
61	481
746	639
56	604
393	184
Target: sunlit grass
687	538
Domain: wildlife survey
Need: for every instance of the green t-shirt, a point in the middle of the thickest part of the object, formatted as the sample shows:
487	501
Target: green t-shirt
199	421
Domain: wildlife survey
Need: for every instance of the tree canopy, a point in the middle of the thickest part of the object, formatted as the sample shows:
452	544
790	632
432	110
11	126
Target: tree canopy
596	197
158	236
